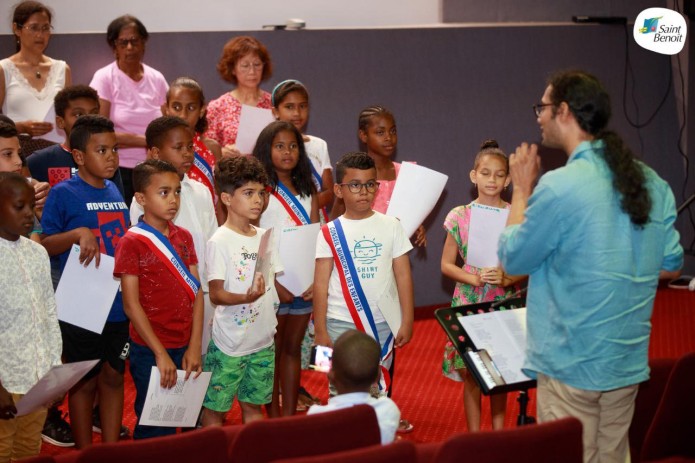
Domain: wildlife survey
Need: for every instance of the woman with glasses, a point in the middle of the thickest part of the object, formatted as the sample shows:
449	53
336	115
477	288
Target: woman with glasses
245	62
29	79
131	93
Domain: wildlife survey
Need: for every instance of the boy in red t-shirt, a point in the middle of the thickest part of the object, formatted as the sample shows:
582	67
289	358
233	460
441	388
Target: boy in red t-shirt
160	298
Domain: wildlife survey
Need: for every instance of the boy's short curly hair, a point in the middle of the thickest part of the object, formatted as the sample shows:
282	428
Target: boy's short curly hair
354	160
235	172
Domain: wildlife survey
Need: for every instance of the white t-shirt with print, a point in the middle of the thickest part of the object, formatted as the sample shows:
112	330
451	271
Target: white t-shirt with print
317	151
373	244
245	328
276	216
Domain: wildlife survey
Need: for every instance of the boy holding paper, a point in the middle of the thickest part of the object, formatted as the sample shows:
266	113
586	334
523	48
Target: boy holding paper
157	263
28	311
88	210
362	279
241	354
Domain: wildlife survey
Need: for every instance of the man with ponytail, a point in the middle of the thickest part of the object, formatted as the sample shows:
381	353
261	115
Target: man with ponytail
595	236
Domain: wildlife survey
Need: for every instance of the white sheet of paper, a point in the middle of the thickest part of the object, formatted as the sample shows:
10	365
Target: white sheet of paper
53	385
297	254
264	260
85	294
175	407
55	135
251	122
415	194
503	334
390	306
487	224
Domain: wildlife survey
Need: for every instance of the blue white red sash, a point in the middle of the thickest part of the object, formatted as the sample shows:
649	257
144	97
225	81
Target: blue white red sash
162	248
318	181
291	204
355	299
202	170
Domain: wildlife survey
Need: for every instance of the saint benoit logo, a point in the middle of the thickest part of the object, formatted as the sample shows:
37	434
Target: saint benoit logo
660	30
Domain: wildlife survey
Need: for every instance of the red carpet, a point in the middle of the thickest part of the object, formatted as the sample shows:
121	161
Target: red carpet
434	404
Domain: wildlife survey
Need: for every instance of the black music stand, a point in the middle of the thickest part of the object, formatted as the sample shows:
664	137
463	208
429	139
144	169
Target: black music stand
448	318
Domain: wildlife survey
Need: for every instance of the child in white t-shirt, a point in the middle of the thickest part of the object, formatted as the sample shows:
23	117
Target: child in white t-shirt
365	252
241	354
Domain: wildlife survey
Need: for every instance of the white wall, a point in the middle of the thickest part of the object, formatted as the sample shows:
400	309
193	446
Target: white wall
225	15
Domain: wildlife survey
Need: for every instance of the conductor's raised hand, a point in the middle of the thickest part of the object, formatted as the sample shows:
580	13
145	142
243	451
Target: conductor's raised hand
524	167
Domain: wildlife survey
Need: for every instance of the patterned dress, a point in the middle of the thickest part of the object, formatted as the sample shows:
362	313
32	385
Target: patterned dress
456	224
223	117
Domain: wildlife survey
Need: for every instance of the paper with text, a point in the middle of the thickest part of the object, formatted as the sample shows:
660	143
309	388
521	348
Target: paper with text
85	294
53	385
415	194
298	256
175	407
503	334
487	224
252	121
55	135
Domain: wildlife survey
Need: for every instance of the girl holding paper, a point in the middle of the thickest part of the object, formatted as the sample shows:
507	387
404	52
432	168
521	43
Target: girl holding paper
377	130
245	62
292	202
490	174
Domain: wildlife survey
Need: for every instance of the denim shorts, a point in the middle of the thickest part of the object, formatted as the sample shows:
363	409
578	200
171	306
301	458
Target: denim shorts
297	307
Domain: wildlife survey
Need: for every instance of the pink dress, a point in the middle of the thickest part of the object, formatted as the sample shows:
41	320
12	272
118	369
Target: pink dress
456	224
382	198
223	117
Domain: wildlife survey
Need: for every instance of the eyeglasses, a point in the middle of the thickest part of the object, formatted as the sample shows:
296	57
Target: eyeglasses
246	67
134	42
356	187
538	108
37	29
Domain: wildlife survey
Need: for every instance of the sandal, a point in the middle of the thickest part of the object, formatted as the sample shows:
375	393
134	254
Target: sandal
405	427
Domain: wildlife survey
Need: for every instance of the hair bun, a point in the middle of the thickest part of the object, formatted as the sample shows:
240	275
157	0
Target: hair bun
489	143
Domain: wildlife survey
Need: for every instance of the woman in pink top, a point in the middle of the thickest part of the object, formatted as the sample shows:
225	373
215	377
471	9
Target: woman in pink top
245	62
131	93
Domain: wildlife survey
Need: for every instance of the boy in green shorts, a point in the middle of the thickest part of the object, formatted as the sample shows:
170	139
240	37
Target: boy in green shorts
241	354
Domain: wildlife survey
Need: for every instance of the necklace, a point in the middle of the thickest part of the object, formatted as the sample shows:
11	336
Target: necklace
38	74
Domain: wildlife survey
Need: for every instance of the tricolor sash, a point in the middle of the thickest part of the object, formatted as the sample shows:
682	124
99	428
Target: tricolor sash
162	248
201	169
293	207
318	182
355	299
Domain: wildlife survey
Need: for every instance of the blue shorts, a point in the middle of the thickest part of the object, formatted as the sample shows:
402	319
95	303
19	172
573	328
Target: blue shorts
297	307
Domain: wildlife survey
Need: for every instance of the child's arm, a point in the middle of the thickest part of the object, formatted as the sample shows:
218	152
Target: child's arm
130	287
83	236
322	274
453	271
220	296
192	357
496	276
314	215
420	237
284	294
326	196
404	282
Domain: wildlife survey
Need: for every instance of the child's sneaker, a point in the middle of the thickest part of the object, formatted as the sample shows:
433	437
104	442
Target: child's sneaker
96	424
56	430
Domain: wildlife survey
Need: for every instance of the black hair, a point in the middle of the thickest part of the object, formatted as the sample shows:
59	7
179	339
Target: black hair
301	174
157	130
143	172
353	160
355	361
24	10
590	104
366	115
286	87
65	96
85	127
191	84
7	128
10	180
490	147
115	27
235	172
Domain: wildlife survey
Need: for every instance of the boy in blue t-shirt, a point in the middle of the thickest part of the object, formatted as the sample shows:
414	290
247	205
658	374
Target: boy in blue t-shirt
88	210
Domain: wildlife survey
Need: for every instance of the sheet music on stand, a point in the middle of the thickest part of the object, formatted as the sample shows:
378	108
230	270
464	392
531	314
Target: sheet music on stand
491	339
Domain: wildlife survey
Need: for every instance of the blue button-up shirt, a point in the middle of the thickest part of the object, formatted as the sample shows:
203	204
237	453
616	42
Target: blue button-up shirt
593	274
